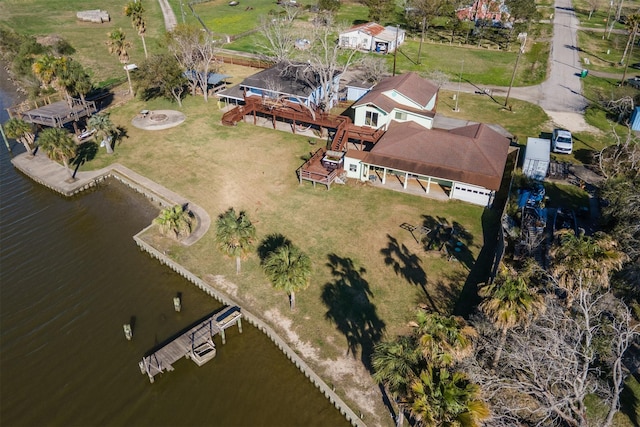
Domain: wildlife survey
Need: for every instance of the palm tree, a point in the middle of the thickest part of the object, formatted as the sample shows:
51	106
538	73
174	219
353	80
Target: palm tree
22	132
509	302
59	146
235	235
443	340
45	69
444	398
119	46
135	10
584	261
74	80
396	365
104	127
176	221
288	269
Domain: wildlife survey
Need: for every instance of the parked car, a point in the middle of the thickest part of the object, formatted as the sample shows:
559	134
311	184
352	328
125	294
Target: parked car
634	82
562	141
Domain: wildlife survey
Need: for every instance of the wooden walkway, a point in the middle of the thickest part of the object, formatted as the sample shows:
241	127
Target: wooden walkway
195	344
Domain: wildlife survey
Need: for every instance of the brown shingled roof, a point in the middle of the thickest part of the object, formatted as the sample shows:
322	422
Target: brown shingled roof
474	154
411	85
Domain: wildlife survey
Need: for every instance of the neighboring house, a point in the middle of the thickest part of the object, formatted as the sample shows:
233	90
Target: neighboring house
403	98
295	83
467	163
215	81
356	89
485	10
372	37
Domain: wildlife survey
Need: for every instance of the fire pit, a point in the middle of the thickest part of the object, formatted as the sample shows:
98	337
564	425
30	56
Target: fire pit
158	120
158	117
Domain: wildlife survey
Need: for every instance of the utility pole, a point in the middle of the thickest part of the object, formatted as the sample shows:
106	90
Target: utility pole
608	19
424	24
459	83
626	64
523	38
395	51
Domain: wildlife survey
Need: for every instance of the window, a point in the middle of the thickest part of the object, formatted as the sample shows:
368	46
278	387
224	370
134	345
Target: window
371	119
401	115
353	168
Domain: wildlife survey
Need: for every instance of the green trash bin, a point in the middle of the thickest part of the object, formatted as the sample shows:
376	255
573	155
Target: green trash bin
584	73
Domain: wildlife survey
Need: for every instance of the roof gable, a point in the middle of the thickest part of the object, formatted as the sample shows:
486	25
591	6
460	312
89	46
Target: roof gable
410	86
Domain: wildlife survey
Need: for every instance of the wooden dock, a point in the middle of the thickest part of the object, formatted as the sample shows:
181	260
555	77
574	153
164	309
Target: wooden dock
195	344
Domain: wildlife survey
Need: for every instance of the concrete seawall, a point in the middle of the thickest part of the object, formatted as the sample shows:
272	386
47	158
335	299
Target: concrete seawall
258	323
54	176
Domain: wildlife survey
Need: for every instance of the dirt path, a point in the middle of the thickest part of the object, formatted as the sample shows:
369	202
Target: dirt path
170	21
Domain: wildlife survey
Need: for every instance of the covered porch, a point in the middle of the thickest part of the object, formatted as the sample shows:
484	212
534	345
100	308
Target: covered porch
407	182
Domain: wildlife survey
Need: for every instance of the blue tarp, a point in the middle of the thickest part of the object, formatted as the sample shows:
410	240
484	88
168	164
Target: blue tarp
635	119
213	79
531	197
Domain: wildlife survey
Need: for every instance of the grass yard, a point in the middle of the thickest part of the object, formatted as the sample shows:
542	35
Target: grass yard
524	120
42	18
368	273
605	54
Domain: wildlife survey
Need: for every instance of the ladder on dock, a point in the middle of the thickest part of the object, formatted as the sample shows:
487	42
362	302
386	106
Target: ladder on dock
195	344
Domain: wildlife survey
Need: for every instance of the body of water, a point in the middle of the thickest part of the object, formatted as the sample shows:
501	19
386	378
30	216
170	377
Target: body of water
71	276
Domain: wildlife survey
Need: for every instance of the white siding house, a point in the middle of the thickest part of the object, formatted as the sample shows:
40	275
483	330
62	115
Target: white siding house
372	37
465	163
402	98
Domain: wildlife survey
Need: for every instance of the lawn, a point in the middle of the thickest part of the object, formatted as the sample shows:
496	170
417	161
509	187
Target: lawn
605	54
38	18
352	232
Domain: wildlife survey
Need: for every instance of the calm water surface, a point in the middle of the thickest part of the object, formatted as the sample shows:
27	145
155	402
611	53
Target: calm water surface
71	276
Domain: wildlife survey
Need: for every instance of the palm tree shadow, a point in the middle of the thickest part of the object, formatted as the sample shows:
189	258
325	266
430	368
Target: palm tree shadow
270	244
86	152
349	307
407	265
119	135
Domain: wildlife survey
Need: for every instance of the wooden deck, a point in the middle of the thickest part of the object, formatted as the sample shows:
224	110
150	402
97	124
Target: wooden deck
196	343
55	114
315	171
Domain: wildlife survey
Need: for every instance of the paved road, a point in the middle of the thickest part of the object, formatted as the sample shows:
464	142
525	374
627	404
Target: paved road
562	91
561	94
170	21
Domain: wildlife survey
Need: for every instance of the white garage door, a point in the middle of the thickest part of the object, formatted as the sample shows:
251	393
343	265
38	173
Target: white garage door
469	193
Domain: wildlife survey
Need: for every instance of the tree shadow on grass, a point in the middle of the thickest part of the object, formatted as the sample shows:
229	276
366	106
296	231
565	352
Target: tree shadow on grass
119	136
406	265
453	238
270	244
348	300
86	152
447	291
481	269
